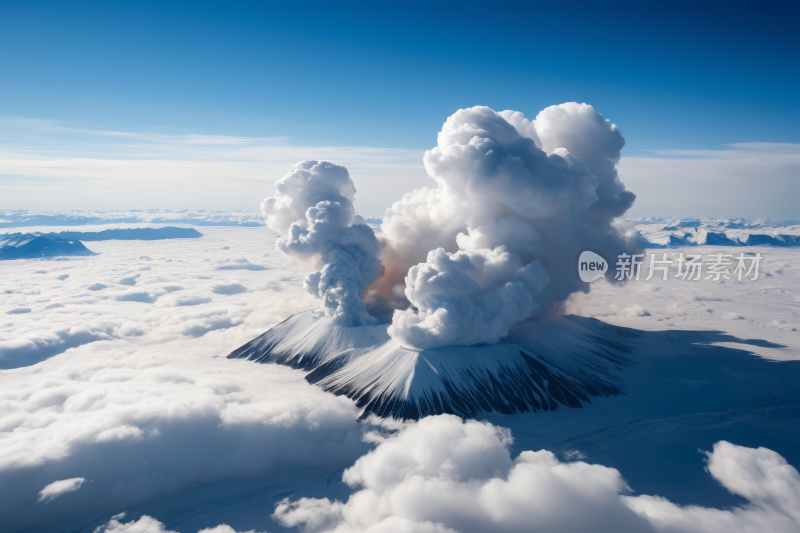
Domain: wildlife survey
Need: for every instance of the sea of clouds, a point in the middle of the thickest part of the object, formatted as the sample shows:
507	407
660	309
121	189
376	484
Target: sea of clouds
115	389
120	418
443	474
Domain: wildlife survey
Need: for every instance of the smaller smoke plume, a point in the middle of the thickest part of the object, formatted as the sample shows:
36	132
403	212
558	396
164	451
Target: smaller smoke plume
313	210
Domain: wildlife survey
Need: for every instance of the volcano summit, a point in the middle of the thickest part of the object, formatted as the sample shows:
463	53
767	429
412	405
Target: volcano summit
442	311
536	367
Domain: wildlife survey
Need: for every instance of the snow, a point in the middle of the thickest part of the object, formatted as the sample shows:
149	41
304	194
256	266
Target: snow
537	367
718	231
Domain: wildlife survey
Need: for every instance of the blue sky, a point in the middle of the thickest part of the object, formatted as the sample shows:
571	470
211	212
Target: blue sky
673	76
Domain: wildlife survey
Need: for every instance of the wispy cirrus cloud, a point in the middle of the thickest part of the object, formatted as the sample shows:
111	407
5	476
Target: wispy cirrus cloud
48	165
53	126
57	488
734	151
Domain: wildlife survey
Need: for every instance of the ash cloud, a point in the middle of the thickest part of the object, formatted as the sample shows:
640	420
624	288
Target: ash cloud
534	192
493	244
468	297
313	210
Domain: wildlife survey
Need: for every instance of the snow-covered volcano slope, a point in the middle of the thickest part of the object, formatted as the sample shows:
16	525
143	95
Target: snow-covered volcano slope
537	367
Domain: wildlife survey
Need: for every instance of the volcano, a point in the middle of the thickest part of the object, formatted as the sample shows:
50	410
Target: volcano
537	367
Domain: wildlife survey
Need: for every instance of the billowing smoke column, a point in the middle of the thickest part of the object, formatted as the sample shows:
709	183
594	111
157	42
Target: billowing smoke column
495	243
313	210
498	238
469	297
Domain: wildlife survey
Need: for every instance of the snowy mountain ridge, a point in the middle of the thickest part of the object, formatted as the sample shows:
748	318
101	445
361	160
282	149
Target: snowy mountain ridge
665	232
537	367
32	246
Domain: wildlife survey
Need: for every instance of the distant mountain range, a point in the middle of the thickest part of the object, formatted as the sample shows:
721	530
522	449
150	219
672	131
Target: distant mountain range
31	246
24	218
666	232
67	243
731	223
129	234
657	231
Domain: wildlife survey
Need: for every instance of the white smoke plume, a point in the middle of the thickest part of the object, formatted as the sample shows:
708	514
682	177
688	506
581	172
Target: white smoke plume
534	193
468	297
313	209
495	243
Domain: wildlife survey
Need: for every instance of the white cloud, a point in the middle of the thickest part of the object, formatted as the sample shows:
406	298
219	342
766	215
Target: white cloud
147	391
135	400
57	488
70	312
443	474
148	524
55	127
146	421
119	433
760	475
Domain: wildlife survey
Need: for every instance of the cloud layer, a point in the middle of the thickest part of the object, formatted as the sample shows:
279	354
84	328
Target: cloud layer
446	475
178	417
153	391
51	166
142	379
178	291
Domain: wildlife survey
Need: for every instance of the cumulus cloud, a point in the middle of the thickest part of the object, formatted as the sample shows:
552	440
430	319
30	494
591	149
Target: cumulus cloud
313	209
539	192
176	414
763	477
179	296
148	524
57	488
444	474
